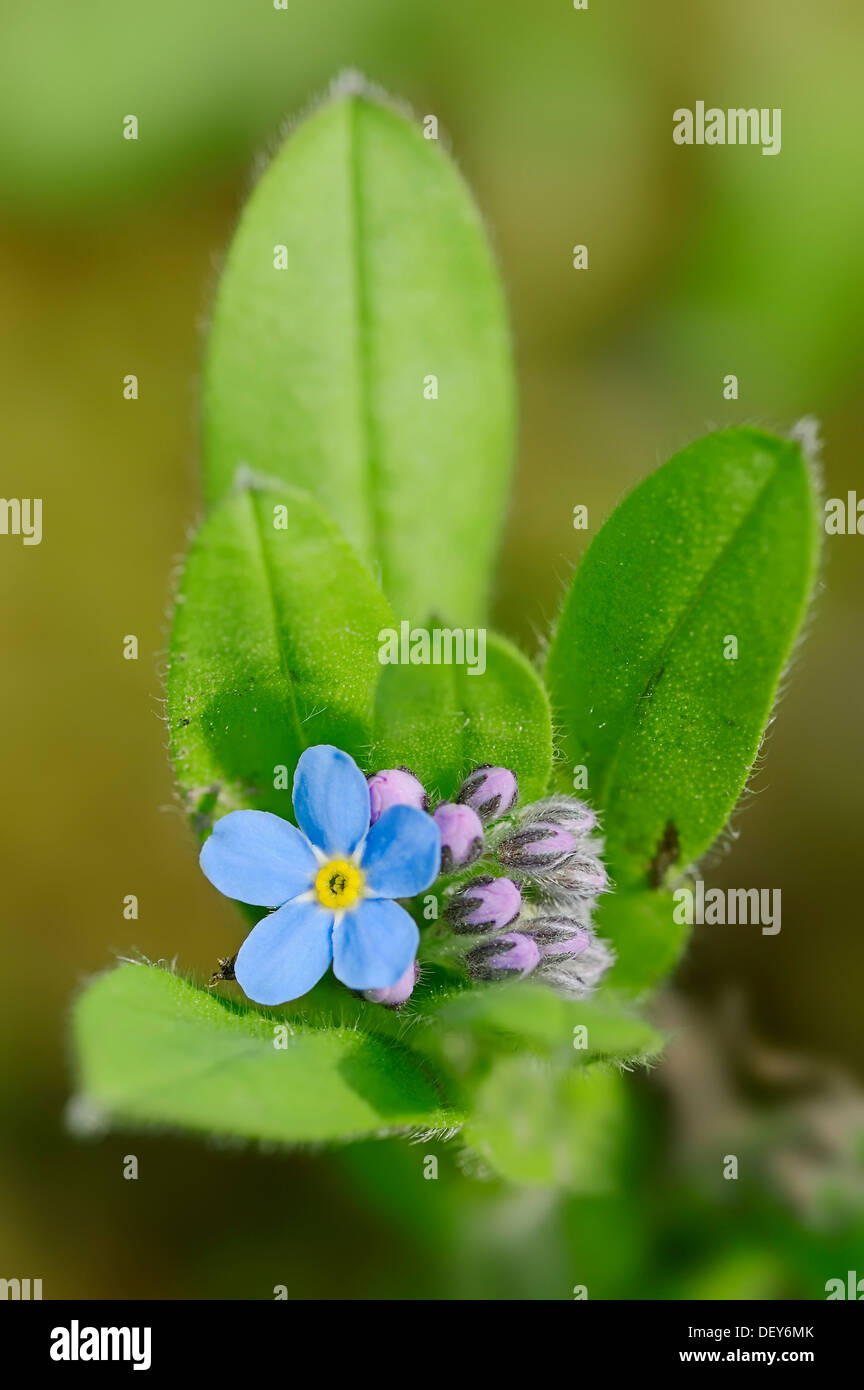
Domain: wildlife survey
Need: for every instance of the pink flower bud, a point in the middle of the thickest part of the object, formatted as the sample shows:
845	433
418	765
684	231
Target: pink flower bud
559	936
396	786
577	975
491	791
461	835
395	995
548	831
566	811
552	843
485	904
540	845
513	953
583	876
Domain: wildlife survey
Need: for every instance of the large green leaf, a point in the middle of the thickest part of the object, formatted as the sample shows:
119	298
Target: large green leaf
154	1048
274	647
538	1123
721	542
531	1016
648	941
442	721
315	372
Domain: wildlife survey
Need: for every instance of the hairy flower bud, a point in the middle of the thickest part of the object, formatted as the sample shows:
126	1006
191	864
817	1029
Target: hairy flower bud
583	876
492	791
552	844
484	904
556	858
559	936
461	835
513	953
565	811
576	974
538	846
395	995
395	786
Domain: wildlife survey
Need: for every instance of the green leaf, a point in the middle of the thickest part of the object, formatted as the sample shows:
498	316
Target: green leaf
274	647
442	721
535	1123
721	542
531	1016
648	941
153	1048
315	373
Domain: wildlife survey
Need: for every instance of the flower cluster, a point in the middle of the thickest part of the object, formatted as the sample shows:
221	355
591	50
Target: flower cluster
360	843
537	915
534	913
332	879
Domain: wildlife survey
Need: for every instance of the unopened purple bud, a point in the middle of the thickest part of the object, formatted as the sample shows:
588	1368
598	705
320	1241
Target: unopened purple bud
513	953
551	828
577	975
567	812
492	791
552	843
396	786
574	947
395	995
559	936
485	904
582	876
538	846
461	835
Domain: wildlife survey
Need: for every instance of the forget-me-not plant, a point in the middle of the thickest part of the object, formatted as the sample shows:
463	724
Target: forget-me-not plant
332	882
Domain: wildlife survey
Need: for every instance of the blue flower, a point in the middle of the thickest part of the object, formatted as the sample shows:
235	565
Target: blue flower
332	881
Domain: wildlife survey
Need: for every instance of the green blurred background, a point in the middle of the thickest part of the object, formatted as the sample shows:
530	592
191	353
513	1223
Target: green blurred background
702	262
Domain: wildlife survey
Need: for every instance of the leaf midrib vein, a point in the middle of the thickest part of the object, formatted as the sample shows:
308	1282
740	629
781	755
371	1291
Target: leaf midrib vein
270	589
686	613
362	328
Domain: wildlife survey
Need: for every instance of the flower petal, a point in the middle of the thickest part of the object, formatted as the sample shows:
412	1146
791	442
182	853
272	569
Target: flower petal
258	858
374	944
331	799
402	854
286	953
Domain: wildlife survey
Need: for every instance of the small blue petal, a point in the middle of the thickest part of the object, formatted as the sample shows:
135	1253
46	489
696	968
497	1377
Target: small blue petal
402	854
331	799
374	944
258	858
286	953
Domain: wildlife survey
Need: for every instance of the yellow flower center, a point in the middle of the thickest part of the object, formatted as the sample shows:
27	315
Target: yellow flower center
338	884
